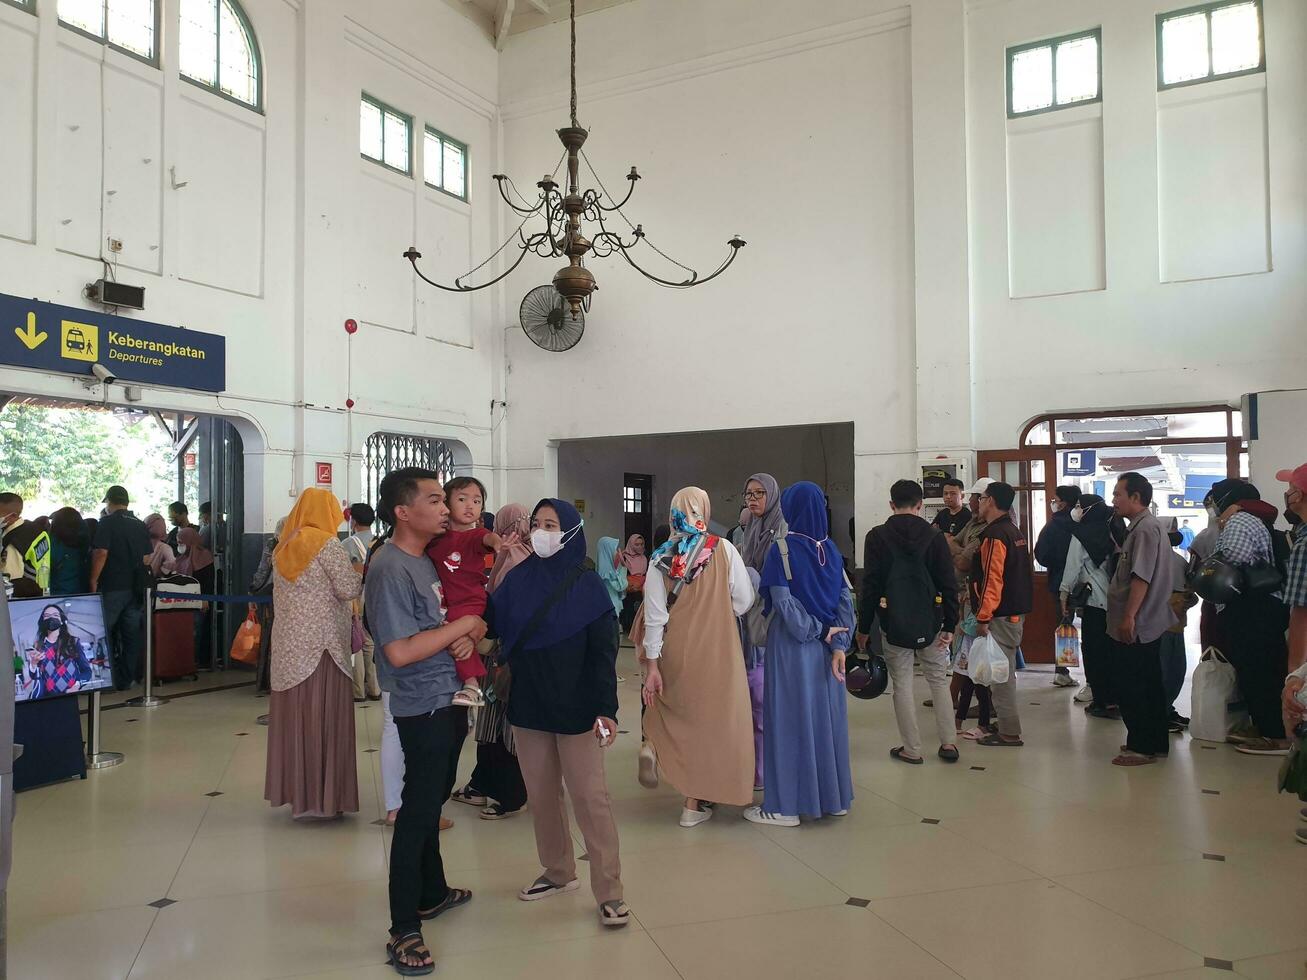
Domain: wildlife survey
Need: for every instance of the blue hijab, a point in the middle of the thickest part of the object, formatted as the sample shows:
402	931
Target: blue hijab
613	574
535	580
815	561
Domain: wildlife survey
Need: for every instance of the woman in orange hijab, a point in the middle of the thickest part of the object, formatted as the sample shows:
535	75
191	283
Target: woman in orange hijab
311	725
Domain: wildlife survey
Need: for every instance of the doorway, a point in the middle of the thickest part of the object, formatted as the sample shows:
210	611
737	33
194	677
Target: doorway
1181	451
637	508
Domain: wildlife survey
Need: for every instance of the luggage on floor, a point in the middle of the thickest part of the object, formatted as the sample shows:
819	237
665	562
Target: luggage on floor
1216	710
174	629
178	583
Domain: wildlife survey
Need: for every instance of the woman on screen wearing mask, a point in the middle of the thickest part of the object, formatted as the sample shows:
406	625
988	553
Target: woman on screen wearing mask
55	663
558	636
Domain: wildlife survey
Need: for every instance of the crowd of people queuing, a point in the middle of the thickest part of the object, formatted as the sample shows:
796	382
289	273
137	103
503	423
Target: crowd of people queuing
116	555
743	643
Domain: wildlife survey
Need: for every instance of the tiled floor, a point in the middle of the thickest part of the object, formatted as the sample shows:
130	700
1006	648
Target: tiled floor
1045	862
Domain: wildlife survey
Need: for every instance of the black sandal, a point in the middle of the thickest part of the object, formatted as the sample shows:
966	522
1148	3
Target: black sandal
898	754
411	945
455	898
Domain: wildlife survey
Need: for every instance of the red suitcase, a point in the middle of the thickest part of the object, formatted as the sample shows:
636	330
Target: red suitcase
174	644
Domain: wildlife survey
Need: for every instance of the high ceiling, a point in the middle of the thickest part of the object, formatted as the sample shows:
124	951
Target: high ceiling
502	18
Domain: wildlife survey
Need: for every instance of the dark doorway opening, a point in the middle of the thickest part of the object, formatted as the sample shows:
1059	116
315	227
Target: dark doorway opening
637	507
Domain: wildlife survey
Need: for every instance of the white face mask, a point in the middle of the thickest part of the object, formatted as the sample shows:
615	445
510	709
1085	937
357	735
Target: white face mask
546	544
1212	512
1077	513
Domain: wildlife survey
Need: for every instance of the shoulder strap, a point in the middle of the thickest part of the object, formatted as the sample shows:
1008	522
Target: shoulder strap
784	549
534	624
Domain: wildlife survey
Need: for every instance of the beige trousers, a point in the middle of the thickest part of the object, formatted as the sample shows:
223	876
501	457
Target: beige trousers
548	762
934	665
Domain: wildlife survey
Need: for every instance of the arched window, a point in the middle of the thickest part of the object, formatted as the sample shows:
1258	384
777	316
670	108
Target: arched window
218	51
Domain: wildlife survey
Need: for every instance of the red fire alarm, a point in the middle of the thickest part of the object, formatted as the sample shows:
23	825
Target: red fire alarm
349	402
351	325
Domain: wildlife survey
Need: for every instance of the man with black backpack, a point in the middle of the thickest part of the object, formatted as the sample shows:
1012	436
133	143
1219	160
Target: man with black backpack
909	584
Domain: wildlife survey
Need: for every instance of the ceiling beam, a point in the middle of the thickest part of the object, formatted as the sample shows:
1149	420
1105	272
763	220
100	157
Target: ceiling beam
503	19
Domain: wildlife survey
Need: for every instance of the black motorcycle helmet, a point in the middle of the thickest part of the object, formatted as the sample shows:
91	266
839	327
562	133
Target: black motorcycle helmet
866	675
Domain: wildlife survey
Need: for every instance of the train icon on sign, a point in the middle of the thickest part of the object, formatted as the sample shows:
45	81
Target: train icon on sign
79	341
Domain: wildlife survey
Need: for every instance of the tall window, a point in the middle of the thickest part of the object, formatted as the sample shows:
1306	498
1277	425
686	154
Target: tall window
444	163
1216	40
129	25
1054	74
385	134
22	5
218	51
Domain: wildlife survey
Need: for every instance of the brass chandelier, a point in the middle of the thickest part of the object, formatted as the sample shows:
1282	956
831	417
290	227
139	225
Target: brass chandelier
561	234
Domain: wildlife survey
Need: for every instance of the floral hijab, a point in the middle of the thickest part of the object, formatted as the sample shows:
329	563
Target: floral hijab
691	545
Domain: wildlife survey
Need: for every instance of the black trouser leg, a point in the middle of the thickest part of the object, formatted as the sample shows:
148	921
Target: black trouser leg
431	746
1141	696
1095	646
498	775
1254	628
1174	667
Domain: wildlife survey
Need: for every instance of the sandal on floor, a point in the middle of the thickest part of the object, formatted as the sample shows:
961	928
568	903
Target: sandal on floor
974	734
469	796
409	946
614	913
949	755
1134	759
898	754
496	812
455	898
994	738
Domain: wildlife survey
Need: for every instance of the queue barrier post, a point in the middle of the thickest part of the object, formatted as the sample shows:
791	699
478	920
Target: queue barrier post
148	700
95	757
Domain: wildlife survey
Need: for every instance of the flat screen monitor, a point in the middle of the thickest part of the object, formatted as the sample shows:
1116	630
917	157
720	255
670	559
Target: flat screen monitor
59	646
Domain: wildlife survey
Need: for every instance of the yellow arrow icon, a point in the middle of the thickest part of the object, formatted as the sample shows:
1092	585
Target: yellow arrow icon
29	336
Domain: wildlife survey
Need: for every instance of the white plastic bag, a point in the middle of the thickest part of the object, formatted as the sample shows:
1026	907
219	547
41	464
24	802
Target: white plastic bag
986	662
1215	711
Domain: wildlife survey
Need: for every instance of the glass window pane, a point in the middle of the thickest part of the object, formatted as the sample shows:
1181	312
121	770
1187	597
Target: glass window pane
1032	79
1038	436
369	130
197	40
131	26
454	170
431	159
396	143
1012	473
1077	70
1235	38
85	14
238	72
1184	48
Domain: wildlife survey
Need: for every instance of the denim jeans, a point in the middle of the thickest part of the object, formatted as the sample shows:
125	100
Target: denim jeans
124	624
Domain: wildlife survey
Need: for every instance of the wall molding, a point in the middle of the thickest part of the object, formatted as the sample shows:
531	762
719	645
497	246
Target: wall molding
751	54
413	66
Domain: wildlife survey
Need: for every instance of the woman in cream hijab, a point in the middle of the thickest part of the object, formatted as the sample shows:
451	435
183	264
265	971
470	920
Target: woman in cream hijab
311	761
698	729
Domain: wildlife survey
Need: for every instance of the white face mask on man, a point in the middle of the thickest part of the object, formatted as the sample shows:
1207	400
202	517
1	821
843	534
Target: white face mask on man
546	544
1077	513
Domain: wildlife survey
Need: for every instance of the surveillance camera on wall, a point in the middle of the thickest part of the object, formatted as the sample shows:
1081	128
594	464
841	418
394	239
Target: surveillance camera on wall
103	374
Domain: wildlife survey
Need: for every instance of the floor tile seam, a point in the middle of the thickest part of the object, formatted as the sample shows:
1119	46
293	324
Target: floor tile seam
382	876
1120	915
654	939
748	915
909	939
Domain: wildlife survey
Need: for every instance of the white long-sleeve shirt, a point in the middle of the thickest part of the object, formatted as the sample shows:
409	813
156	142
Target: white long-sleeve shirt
655	598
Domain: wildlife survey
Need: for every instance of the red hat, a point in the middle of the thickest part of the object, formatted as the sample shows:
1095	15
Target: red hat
1295	478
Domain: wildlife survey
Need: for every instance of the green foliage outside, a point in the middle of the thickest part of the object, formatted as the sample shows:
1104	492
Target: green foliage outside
67	457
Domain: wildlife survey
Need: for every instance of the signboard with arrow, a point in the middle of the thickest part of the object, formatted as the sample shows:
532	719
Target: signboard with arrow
69	340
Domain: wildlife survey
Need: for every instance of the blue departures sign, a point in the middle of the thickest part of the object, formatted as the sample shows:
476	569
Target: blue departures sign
68	339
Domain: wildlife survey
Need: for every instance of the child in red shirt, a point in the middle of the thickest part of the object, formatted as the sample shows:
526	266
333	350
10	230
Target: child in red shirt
460	559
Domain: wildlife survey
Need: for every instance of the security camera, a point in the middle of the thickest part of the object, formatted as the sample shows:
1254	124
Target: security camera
103	374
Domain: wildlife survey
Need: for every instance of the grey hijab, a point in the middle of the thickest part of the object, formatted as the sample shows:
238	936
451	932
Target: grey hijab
761	530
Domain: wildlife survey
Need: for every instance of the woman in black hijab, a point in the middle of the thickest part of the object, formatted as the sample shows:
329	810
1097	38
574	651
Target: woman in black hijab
1085	576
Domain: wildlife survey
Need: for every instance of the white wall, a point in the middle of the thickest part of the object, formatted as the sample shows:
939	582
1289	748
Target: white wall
1203	184
798	137
718	462
281	231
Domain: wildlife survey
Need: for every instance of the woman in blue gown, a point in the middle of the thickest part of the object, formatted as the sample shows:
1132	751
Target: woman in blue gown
805	708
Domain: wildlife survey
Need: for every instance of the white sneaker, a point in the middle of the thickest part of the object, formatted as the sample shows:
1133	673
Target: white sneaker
1063	680
692	818
1084	695
647	773
838	813
754	814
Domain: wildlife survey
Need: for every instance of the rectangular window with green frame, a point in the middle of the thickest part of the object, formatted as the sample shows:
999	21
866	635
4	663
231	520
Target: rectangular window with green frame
385	135
1057	73
1211	41
444	163
28	5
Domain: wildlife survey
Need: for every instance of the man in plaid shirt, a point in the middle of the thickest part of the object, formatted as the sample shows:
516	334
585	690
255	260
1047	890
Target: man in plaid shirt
1295	596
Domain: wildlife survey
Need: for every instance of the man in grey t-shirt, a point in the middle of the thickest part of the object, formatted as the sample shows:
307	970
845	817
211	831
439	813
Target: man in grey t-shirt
1138	613
414	647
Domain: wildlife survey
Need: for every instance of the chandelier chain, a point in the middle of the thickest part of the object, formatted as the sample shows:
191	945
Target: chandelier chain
574	122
